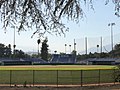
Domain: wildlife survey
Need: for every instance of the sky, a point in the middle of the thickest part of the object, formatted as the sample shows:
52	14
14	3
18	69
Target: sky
93	26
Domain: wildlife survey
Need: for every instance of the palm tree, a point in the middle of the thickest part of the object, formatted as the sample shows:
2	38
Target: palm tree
44	50
70	48
55	51
38	41
65	48
97	48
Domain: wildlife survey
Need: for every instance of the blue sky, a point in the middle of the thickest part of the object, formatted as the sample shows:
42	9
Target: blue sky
94	25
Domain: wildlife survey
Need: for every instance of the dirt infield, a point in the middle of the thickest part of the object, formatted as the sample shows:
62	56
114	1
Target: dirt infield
101	87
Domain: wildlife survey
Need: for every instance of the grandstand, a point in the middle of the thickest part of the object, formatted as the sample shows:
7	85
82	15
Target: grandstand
56	59
60	59
22	61
100	61
38	61
63	58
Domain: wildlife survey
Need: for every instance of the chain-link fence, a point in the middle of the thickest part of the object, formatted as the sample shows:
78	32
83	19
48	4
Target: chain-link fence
56	77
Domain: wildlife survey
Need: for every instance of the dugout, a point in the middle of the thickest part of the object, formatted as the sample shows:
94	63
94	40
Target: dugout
16	63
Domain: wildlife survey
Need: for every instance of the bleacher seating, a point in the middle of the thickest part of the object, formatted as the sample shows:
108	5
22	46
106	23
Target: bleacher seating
38	60
100	61
65	58
21	61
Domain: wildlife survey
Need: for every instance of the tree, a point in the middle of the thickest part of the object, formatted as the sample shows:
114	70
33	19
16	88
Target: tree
38	41
2	50
116	53
55	51
8	51
44	50
73	52
117	47
42	14
20	54
5	51
117	6
116	50
45	15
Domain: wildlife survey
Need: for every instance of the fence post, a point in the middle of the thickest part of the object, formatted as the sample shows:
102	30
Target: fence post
57	78
33	77
81	78
71	77
114	76
10	77
99	77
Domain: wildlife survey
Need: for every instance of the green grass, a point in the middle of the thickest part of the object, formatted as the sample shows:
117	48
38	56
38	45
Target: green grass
58	67
61	74
54	77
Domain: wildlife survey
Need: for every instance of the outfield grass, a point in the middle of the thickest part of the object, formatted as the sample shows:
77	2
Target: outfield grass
58	67
56	74
56	77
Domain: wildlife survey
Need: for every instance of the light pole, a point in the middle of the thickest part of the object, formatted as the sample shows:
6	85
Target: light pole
86	45
14	40
111	25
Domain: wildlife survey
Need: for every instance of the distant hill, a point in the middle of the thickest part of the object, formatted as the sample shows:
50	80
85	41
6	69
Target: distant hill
30	53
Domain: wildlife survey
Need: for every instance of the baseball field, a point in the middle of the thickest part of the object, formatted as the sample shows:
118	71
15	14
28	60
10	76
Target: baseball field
56	74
